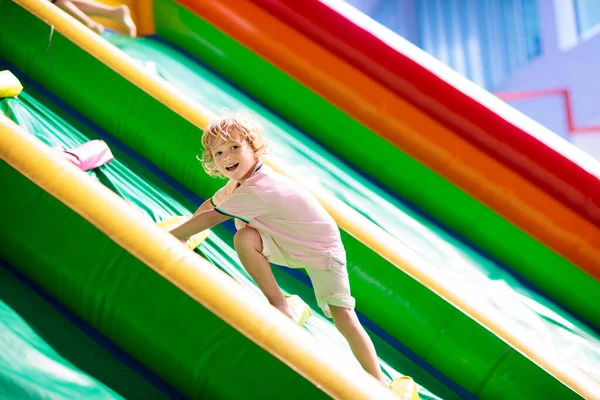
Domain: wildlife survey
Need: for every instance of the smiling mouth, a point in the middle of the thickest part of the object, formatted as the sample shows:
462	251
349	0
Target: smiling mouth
232	167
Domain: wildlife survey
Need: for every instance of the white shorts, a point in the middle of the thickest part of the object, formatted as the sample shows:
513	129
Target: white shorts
332	287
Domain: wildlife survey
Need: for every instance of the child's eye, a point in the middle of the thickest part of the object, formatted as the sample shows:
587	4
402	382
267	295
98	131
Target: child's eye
218	153
234	147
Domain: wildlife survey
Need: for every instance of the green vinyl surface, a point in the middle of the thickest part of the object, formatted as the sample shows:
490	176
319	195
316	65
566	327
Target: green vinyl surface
44	355
425	323
151	197
364	150
35	348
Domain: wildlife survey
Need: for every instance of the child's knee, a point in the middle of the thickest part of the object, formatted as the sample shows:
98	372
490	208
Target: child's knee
346	320
342	314
247	238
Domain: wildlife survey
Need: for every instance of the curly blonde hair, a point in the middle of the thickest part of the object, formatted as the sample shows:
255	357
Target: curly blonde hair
231	127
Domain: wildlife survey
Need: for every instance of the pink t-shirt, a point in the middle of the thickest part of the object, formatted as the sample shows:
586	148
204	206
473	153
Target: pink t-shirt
279	208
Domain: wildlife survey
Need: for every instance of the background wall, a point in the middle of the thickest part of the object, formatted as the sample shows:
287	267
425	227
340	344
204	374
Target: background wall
513	46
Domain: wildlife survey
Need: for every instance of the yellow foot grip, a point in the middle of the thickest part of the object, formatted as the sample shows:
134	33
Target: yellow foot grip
193	241
300	310
405	388
9	85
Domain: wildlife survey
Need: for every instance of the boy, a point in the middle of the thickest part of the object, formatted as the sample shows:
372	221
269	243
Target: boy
278	221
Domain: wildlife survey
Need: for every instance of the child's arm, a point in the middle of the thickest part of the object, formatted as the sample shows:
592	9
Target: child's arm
207	205
198	223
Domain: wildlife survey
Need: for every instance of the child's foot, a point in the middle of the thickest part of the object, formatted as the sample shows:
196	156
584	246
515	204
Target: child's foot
96	27
299	309
405	388
123	16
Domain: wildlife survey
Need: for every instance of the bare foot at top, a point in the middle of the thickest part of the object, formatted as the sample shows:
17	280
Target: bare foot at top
123	16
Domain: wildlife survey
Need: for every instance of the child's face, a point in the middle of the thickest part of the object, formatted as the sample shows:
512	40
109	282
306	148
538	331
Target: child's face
234	158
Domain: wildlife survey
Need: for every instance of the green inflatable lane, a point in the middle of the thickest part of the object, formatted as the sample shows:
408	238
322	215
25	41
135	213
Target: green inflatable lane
43	355
365	150
410	312
219	363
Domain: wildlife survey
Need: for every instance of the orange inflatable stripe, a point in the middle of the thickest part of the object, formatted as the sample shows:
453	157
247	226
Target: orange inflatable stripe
408	128
144	10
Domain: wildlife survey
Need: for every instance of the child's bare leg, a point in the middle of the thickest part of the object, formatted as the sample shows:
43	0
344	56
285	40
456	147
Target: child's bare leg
119	14
348	324
248	245
73	10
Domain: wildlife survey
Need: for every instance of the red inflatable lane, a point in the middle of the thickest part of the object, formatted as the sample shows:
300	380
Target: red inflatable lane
537	154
